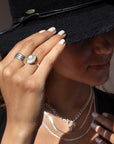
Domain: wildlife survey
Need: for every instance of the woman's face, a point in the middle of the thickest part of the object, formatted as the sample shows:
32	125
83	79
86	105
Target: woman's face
87	61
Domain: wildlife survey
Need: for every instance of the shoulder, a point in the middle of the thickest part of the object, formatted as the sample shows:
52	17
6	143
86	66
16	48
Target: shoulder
2	121
104	101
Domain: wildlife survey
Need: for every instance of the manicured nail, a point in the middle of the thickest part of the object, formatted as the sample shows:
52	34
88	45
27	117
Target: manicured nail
42	31
52	29
105	114
94	114
98	140
93	125
61	33
62	41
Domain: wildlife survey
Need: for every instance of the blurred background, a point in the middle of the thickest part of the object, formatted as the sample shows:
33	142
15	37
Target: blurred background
5	22
5	18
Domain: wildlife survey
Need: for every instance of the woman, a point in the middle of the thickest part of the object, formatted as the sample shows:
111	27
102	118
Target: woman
49	96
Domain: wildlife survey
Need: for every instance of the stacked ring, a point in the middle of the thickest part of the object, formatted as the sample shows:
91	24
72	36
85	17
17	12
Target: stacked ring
20	56
30	60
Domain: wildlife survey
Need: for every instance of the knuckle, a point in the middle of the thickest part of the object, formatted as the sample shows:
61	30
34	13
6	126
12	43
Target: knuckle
56	37
7	72
40	52
17	79
30	86
44	36
19	44
25	43
45	46
29	43
33	86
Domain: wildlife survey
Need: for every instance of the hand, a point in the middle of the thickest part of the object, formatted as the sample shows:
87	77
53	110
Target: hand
22	85
104	128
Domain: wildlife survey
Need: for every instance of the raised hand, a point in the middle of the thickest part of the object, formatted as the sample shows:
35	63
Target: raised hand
23	85
105	128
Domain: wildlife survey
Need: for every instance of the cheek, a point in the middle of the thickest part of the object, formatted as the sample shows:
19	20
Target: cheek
71	65
73	59
74	65
78	56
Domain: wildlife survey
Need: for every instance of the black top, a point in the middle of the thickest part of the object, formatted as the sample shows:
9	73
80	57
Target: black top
104	103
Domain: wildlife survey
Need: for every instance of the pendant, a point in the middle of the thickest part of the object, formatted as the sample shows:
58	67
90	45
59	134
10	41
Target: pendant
71	125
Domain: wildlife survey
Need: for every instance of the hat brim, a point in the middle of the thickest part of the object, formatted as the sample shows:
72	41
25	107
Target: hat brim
78	24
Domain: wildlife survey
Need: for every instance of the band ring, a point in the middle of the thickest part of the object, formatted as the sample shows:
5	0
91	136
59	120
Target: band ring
32	59
20	56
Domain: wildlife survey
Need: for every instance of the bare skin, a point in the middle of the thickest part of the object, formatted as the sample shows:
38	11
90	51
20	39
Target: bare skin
74	61
74	68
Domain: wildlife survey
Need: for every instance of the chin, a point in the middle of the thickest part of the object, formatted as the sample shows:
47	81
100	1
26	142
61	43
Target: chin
101	80
100	83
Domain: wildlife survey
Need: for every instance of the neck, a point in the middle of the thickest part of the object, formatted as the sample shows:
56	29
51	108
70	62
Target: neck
65	94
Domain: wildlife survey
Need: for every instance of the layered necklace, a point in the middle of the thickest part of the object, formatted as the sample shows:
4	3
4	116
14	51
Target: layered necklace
70	123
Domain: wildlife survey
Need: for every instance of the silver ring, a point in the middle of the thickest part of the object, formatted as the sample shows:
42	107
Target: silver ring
20	56
32	59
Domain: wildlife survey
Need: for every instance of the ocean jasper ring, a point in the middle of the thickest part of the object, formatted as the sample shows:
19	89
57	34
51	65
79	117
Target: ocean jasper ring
32	59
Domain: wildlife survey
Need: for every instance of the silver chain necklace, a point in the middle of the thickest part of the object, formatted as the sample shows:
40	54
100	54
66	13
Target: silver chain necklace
71	123
54	126
66	139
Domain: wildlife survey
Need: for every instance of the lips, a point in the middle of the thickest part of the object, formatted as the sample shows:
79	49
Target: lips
100	66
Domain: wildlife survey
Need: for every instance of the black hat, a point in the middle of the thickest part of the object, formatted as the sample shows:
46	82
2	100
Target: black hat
81	19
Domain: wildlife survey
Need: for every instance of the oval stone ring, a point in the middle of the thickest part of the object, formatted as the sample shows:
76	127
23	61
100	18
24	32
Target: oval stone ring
32	59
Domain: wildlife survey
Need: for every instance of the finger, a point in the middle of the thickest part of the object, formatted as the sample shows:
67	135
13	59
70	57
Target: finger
104	121
35	40
99	141
42	72
28	44
109	116
45	48
103	132
42	51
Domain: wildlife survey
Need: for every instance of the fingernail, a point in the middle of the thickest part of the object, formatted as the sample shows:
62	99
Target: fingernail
52	29
62	41
42	31
61	33
94	114
105	114
93	125
98	140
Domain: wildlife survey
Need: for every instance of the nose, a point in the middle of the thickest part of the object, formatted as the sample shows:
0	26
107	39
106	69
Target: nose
102	46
